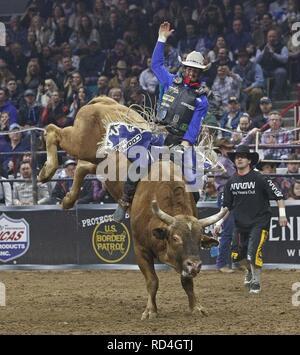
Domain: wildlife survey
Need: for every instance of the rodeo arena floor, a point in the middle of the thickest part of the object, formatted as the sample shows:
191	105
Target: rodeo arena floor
111	302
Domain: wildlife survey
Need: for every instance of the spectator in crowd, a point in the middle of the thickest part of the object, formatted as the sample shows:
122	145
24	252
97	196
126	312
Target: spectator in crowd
45	91
260	34
15	32
42	33
85	35
276	135
72	86
16	144
207	43
55	112
239	14
33	76
223	146
18	61
14	92
262	119
30	111
92	64
238	38
188	43
294	191
66	51
292	168
117	94
120	80
209	190
278	8
30	47
261	8
4	126
63	187
63	75
115	55
4	122
231	118
5	191
148	80
62	33
5	73
242	130
223	59
171	58
273	58
79	101
267	167
23	191
79	11
212	55
111	30
253	82
7	106
102	86
226	84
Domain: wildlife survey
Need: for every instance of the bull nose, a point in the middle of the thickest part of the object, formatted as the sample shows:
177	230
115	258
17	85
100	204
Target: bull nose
192	266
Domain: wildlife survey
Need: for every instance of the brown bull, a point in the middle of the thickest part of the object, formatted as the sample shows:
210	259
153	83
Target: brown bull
163	215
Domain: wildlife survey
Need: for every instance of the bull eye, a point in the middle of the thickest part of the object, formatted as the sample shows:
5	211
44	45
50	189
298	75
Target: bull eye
177	239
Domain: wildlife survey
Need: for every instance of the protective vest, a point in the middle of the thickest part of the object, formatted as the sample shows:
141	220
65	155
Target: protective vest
177	107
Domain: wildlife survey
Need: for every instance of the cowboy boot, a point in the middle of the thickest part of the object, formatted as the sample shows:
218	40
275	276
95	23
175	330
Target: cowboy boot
125	201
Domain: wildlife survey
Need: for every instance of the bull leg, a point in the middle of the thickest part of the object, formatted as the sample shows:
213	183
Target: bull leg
146	265
82	169
188	286
51	165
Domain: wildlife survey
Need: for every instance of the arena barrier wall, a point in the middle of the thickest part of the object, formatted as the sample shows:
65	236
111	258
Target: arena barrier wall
86	237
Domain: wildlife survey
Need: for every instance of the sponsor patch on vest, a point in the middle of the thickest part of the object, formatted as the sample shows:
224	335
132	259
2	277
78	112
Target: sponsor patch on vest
176	118
168	98
190	107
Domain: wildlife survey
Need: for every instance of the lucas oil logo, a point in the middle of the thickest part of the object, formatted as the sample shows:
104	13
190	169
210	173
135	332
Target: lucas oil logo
14	238
111	241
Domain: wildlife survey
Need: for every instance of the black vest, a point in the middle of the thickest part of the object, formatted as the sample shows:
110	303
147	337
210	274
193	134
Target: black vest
177	107
269	63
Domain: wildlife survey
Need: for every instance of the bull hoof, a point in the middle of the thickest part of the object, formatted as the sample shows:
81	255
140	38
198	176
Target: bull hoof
149	315
200	309
44	174
67	202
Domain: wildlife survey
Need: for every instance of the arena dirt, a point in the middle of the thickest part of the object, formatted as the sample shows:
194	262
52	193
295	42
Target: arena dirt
111	302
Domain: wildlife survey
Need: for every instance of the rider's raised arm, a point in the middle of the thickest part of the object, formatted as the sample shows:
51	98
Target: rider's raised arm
157	63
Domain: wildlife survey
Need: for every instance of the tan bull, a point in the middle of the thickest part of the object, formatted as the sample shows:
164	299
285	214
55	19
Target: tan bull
163	215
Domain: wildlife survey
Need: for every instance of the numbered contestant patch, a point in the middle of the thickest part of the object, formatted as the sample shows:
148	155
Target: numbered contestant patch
111	241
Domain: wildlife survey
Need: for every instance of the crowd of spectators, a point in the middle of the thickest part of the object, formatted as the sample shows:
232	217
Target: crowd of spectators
60	54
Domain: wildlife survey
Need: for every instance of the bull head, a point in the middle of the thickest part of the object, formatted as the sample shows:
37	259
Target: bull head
184	237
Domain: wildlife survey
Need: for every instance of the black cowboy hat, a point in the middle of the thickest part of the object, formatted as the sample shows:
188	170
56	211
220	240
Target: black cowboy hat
244	149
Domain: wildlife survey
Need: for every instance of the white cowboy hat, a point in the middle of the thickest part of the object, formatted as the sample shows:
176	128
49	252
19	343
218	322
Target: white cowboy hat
195	60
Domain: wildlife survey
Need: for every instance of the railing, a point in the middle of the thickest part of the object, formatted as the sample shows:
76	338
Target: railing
35	152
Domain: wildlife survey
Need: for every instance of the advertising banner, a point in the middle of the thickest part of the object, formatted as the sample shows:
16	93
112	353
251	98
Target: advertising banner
87	235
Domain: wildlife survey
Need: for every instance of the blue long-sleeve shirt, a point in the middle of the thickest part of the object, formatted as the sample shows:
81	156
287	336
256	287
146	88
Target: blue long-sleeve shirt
166	79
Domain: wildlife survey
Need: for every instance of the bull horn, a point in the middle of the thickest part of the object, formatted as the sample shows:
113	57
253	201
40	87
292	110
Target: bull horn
163	216
214	218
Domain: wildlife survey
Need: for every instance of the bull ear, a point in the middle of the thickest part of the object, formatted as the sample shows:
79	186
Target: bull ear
208	242
160	233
